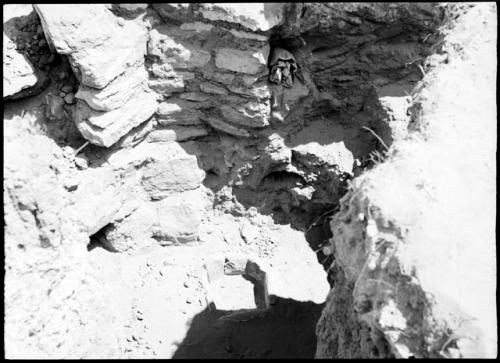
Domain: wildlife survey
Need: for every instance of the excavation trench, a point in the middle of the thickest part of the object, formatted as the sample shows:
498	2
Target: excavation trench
264	193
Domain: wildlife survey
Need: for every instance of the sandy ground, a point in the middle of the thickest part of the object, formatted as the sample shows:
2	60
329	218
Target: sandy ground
176	309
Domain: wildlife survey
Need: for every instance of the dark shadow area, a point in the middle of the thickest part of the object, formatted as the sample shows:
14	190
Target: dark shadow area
98	240
285	330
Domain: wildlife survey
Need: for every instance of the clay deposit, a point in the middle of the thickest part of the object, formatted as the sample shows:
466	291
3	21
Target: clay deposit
286	180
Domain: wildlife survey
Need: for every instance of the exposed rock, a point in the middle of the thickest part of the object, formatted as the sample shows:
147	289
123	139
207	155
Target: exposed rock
215	154
256	91
212	89
197	26
194	96
178	113
175	12
81	161
176	54
220	125
177	133
166	86
224	78
136	135
129	10
116	93
242	61
99	197
332	155
179	216
248	35
105	128
134	231
69	99
251	115
166	167
100	53
20	78
55	107
18	73
256	16
396	116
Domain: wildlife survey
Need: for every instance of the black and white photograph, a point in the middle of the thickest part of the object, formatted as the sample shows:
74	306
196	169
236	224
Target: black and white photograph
250	180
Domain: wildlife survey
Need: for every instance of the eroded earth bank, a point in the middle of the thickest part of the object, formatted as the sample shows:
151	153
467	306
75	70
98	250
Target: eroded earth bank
250	180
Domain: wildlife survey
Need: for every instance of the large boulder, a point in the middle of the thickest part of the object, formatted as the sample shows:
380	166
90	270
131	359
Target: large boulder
89	34
107	56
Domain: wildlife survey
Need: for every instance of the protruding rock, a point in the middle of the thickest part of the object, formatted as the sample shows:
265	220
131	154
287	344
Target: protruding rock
254	16
105	128
99	198
179	216
334	154
129	10
175	53
178	113
115	94
220	125
134	231
169	169
18	73
177	133
251	115
97	46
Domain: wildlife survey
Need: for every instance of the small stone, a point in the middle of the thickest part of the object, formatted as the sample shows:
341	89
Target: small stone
121	22
185	284
189	300
327	250
71	184
69	98
81	161
67	88
62	94
42	43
